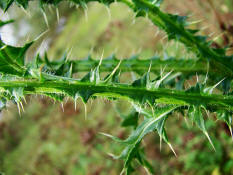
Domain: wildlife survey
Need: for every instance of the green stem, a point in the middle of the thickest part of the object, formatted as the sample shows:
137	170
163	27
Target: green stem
176	29
188	66
219	62
117	90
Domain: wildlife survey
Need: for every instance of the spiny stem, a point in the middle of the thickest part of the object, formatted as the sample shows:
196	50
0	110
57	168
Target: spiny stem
186	66
117	90
178	31
176	28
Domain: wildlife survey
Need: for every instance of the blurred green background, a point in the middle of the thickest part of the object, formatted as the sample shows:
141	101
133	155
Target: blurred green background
52	138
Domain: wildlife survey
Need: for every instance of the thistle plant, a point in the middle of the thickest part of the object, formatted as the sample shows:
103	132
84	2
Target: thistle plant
156	99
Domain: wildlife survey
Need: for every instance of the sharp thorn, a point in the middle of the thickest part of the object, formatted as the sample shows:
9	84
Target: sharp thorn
85	111
62	106
45	18
208	137
172	149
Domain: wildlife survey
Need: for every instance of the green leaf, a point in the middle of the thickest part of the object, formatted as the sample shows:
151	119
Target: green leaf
149	124
23	3
227	118
12	58
2	23
85	94
5	4
198	118
144	81
131	119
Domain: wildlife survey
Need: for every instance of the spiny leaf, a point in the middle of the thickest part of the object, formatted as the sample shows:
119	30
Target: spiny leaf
197	117
227	118
16	94
148	125
12	58
160	124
